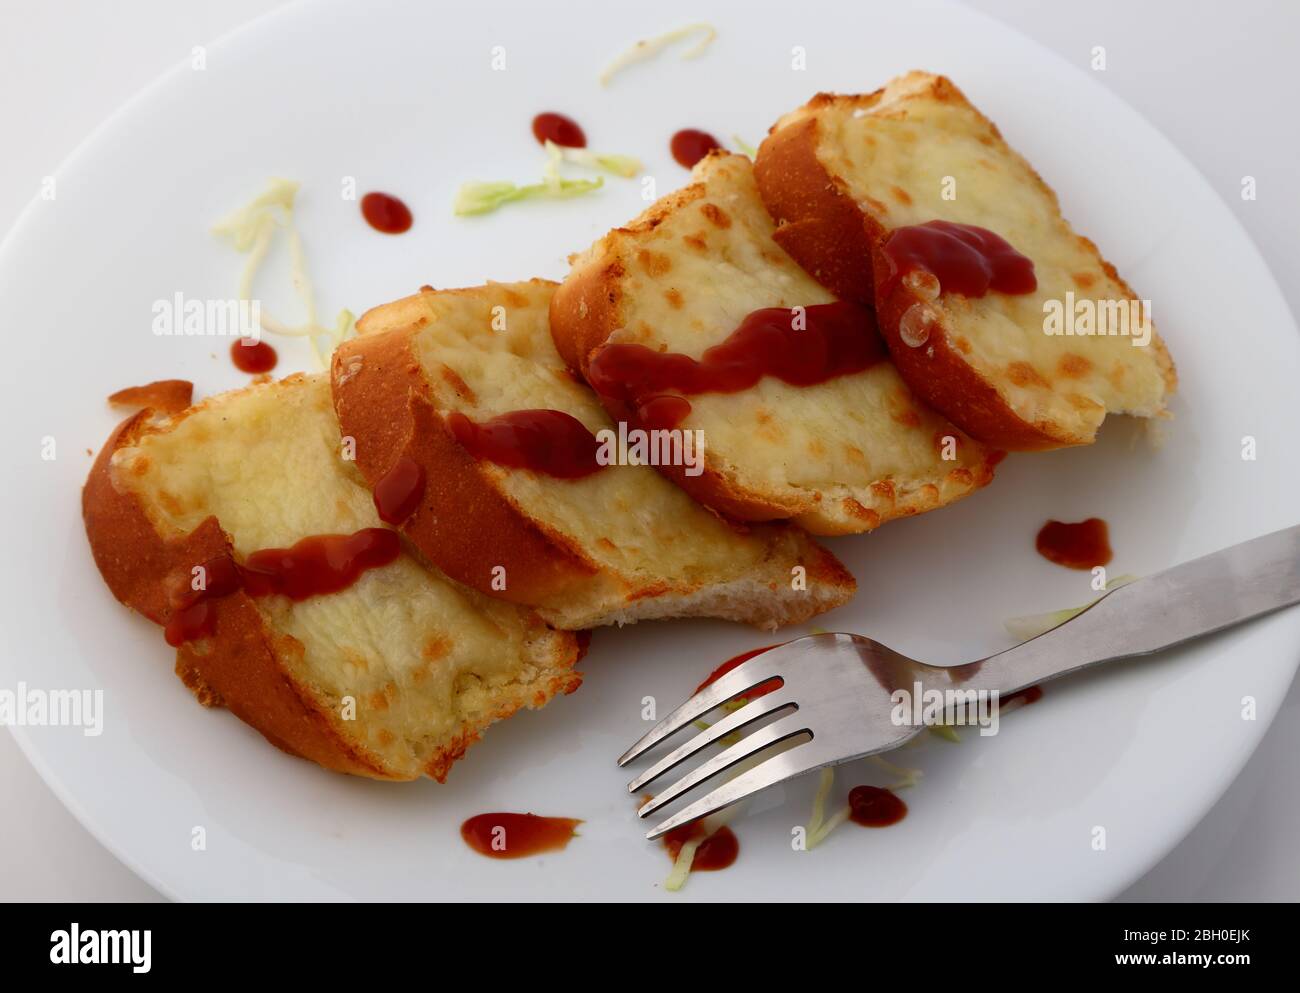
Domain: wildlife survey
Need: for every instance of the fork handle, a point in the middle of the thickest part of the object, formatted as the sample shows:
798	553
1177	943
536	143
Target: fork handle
1190	600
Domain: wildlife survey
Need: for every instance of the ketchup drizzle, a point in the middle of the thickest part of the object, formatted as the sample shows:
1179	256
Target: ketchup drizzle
325	563
833	339
559	129
253	356
385	213
1084	545
964	258
689	146
516	836
546	441
399	491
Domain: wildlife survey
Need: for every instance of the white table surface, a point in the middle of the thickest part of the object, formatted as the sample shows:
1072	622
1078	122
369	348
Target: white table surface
1220	79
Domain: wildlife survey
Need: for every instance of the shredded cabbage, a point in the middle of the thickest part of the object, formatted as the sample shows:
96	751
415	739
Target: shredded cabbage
1032	625
745	146
651	47
250	230
618	165
908	776
483	198
681	869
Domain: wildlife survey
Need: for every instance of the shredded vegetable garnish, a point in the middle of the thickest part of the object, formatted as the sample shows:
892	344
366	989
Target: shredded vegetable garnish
818	827
483	198
907	776
745	146
618	165
250	230
945	731
1032	625
651	47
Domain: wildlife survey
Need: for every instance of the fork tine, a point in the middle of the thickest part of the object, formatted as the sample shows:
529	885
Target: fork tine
752	711
786	727
798	760
745	676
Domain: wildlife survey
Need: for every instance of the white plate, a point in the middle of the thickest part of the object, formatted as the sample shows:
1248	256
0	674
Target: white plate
403	97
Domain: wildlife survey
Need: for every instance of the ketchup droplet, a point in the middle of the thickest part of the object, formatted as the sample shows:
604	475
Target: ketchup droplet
752	694
386	213
1030	694
1084	545
715	852
872	806
252	356
800	346
689	146
399	492
546	441
559	129
964	258
516	836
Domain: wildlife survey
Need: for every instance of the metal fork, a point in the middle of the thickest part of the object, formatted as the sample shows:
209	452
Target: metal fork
837	687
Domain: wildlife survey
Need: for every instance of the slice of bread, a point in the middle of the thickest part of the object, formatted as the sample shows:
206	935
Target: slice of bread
617	545
844	173
839	457
427	664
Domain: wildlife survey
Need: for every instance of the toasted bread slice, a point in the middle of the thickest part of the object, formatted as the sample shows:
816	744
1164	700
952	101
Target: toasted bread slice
617	545
838	457
427	663
842	174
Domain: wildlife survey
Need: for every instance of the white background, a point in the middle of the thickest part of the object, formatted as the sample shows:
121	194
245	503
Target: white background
1220	79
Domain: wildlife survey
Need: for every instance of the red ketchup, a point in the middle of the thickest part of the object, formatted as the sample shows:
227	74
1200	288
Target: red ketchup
559	129
252	356
385	213
689	146
965	259
762	689
872	806
1030	694
832	339
325	563
516	836
399	491
547	441
1084	545
715	852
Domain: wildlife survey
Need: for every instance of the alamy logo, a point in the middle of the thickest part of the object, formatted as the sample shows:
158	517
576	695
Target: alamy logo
929	708
657	447
192	317
77	947
1129	318
31	707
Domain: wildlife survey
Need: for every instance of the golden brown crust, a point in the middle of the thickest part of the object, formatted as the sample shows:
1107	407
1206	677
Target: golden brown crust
840	244
818	224
239	665
168	396
463	524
